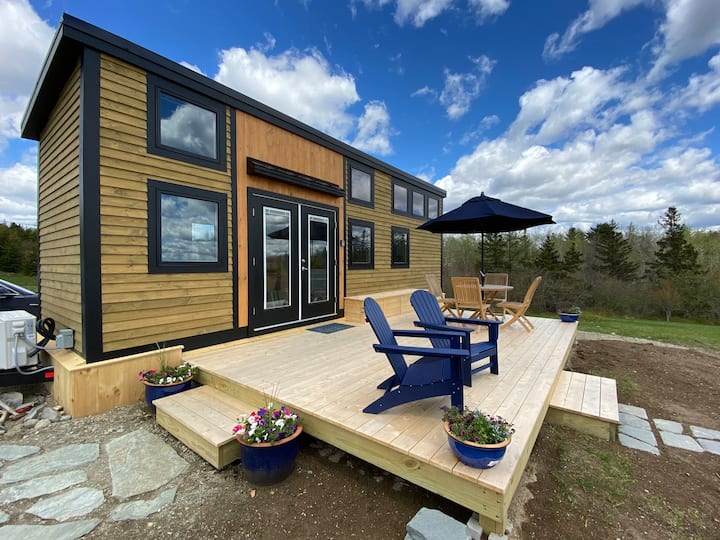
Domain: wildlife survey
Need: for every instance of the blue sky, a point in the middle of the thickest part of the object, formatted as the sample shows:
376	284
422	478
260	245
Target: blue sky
589	111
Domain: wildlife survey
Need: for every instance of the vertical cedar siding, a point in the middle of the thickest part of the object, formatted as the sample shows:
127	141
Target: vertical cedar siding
424	246
140	308
58	211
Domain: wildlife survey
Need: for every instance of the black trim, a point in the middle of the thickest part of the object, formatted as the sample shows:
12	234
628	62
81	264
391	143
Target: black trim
367	170
360	223
89	202
157	188
234	210
267	170
393	252
157	86
73	32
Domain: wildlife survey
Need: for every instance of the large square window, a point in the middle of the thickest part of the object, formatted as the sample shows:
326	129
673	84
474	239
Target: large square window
185	126
400	198
400	247
187	229
361	185
361	244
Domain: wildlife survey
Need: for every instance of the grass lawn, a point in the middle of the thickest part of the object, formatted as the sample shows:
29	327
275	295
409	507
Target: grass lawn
29	282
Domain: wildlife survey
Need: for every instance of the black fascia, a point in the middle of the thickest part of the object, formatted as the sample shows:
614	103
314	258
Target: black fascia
267	170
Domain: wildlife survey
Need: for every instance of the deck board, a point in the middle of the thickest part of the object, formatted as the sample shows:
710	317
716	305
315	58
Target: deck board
329	378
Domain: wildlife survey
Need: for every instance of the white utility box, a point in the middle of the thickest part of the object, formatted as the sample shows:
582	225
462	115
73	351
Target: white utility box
16	323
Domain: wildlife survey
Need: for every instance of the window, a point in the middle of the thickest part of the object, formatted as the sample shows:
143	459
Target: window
433	207
400	198
185	126
361	244
187	229
361	185
418	204
400	248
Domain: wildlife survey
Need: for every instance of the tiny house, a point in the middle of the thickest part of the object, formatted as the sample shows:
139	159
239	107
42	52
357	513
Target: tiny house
175	210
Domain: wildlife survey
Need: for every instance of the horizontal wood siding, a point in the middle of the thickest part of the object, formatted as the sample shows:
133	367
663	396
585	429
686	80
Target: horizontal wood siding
58	211
424	247
140	308
257	139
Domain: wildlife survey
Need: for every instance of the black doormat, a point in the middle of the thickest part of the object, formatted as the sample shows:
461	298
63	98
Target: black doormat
331	328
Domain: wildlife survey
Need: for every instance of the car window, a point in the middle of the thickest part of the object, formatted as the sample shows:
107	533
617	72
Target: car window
5	291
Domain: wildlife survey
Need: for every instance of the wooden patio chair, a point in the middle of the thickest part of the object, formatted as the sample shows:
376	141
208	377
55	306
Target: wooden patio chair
438	371
468	297
430	317
435	288
516	310
495	278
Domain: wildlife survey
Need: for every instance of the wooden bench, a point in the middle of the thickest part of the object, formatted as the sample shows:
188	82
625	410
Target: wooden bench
392	303
587	403
203	419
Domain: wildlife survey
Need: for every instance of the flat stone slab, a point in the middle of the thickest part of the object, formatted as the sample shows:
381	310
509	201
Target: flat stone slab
684	442
63	531
704	433
10	452
74	503
711	446
67	457
632	409
4	517
431	524
141	462
142	509
634	421
631	442
43	485
644	435
668	425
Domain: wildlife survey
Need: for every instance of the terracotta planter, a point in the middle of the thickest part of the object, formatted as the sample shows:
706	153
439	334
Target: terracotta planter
157	391
269	463
480	456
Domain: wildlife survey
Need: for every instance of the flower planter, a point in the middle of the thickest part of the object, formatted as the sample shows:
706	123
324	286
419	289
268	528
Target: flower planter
269	463
157	391
480	456
569	317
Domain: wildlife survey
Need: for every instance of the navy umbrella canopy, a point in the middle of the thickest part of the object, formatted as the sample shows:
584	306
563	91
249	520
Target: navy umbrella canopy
485	214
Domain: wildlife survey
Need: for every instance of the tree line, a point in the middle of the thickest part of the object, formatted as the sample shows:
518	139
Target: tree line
674	272
18	249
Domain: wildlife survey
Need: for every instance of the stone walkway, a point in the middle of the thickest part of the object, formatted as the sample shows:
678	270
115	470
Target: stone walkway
636	432
139	463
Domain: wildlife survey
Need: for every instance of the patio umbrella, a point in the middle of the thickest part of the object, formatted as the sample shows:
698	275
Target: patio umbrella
485	214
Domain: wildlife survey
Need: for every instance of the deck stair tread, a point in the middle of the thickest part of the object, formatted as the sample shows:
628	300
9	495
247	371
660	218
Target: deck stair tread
203	418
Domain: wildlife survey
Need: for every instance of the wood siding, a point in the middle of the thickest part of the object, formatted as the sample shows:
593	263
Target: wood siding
257	139
139	308
424	247
58	211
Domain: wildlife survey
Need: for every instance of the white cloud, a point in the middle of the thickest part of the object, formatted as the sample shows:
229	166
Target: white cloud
691	27
418	12
18	197
374	130
599	13
461	89
301	84
702	91
489	8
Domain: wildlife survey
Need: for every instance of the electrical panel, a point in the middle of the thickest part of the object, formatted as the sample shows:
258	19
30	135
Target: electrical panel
17	328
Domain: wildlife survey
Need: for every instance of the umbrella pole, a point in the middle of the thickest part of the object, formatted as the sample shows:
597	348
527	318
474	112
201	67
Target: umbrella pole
482	258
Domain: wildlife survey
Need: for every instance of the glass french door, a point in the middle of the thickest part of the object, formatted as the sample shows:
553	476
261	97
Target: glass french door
293	270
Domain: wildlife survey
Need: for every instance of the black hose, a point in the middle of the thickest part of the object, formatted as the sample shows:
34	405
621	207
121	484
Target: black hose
46	328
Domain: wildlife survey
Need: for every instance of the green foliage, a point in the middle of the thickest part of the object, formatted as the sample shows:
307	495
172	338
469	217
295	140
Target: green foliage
610	252
675	256
475	426
29	282
18	249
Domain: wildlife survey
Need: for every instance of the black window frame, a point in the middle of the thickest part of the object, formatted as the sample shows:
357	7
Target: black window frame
363	265
371	172
407	198
427	204
411	210
157	86
156	189
394	252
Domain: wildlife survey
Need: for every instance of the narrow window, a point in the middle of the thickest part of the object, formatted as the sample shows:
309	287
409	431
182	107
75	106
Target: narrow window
400	247
418	204
432	208
361	244
400	198
361	185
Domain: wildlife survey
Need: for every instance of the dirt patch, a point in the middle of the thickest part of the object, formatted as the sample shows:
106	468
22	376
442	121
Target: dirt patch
575	486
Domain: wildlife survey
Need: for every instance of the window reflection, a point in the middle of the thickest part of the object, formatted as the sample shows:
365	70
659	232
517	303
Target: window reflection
189	229
361	186
319	263
400	198
187	127
360	252
276	249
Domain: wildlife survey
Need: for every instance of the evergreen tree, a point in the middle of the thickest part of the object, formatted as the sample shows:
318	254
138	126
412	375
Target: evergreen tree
548	258
610	252
674	254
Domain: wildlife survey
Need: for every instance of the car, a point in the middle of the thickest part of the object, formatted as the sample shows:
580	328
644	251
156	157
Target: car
14	297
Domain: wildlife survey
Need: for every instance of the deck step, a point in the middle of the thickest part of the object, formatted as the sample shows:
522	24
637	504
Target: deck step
587	403
391	302
202	418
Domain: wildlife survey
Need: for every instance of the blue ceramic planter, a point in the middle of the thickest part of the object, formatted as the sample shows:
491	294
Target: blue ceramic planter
569	317
157	391
480	456
269	463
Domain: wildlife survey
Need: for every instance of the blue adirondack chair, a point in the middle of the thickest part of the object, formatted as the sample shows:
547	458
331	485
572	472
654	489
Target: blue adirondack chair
438	371
430	317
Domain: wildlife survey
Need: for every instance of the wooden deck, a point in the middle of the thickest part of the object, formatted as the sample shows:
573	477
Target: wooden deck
329	378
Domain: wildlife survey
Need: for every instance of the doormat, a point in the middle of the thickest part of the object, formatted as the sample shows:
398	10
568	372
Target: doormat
331	328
